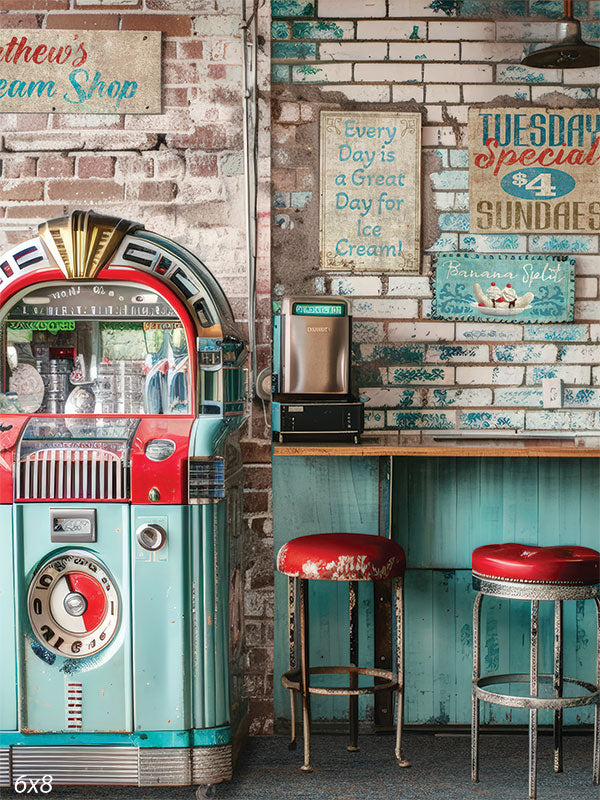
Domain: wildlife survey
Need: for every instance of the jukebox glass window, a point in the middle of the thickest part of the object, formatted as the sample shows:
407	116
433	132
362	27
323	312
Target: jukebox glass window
94	348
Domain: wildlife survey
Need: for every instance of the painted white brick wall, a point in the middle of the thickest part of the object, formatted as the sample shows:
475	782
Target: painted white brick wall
415	372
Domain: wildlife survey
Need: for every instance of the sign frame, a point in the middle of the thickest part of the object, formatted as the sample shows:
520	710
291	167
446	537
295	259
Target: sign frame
534	170
379	131
543	287
80	71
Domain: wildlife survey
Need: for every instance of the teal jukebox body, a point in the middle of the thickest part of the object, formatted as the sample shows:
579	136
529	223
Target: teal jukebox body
120	511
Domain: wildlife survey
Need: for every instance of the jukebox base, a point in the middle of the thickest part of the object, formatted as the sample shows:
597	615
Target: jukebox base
117	765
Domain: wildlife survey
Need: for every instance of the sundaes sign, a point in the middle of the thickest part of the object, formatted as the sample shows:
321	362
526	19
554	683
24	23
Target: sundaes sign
534	170
85	72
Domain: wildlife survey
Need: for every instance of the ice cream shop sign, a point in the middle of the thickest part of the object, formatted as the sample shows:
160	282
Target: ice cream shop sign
86	72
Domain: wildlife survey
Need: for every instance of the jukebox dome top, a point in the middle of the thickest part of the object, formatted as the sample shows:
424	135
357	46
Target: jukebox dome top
86	245
84	242
95	300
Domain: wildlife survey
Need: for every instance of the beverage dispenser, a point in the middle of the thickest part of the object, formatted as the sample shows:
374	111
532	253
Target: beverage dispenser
312	353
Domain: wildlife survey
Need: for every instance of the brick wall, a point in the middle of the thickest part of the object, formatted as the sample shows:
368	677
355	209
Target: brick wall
181	174
438	58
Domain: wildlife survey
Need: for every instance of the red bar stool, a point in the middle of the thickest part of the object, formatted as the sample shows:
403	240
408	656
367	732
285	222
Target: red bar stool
349	557
529	572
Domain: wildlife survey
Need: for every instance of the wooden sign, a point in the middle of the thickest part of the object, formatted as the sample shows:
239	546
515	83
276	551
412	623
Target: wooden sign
534	170
80	72
370	191
503	287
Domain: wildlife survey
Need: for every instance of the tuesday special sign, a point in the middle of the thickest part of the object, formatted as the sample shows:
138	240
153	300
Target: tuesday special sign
534	170
80	72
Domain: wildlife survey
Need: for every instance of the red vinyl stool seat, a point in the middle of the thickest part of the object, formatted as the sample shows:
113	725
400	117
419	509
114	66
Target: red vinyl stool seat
349	557
530	572
524	563
341	557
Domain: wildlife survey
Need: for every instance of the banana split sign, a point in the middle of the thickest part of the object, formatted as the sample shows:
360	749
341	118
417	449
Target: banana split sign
534	170
503	287
80	72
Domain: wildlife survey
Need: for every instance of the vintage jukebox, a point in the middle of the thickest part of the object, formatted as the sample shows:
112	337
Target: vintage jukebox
120	511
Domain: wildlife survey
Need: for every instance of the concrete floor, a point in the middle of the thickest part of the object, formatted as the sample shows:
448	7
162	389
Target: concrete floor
440	771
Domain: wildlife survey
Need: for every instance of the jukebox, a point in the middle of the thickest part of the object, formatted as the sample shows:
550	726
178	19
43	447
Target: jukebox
120	511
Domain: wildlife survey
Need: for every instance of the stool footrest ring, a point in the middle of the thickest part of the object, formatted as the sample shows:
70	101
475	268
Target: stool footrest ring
291	680
515	701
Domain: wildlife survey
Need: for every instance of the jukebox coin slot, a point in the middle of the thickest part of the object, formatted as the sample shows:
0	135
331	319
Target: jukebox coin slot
151	537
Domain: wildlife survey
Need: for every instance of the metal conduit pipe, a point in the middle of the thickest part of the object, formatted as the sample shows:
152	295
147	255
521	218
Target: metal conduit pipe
250	136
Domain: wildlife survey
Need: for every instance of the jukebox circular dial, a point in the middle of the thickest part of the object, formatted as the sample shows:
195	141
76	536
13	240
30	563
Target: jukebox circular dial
73	605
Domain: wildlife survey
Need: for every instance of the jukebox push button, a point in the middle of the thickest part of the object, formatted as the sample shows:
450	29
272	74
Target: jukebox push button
73	605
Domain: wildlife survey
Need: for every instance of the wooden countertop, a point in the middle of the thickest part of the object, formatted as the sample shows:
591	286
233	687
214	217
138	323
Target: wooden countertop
535	448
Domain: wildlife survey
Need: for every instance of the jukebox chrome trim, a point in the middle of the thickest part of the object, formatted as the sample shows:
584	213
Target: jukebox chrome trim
117	765
206	479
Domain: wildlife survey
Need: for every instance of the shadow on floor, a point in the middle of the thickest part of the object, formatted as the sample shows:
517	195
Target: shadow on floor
440	771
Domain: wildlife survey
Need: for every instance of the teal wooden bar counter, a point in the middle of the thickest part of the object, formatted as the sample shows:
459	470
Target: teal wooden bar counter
440	502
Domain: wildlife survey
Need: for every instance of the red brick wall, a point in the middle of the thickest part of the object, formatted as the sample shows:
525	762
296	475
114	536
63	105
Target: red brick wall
180	173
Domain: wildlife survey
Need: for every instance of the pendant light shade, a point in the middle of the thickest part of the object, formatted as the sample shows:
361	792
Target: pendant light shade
569	52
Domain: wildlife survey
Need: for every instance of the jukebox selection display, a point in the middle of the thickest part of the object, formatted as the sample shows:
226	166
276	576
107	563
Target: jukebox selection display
121	392
100	348
73	605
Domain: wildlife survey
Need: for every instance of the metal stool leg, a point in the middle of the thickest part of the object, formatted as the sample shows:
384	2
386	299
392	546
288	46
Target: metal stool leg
399	608
533	691
596	763
475	700
306	767
353	682
293	658
558	685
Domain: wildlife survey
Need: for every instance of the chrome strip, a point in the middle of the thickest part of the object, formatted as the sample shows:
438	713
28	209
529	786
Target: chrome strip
4	766
165	766
27	477
44	473
69	475
110	466
35	474
61	469
212	764
53	474
85	472
76	468
516	590
78	765
102	469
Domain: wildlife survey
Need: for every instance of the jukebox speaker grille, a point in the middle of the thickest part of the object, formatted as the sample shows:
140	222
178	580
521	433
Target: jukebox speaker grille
72	474
206	478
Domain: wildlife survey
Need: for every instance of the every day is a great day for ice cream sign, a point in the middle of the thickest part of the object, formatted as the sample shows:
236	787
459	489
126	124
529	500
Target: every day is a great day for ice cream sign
80	72
370	191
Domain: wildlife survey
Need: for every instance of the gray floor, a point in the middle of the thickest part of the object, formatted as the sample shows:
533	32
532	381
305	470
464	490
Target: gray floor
440	771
